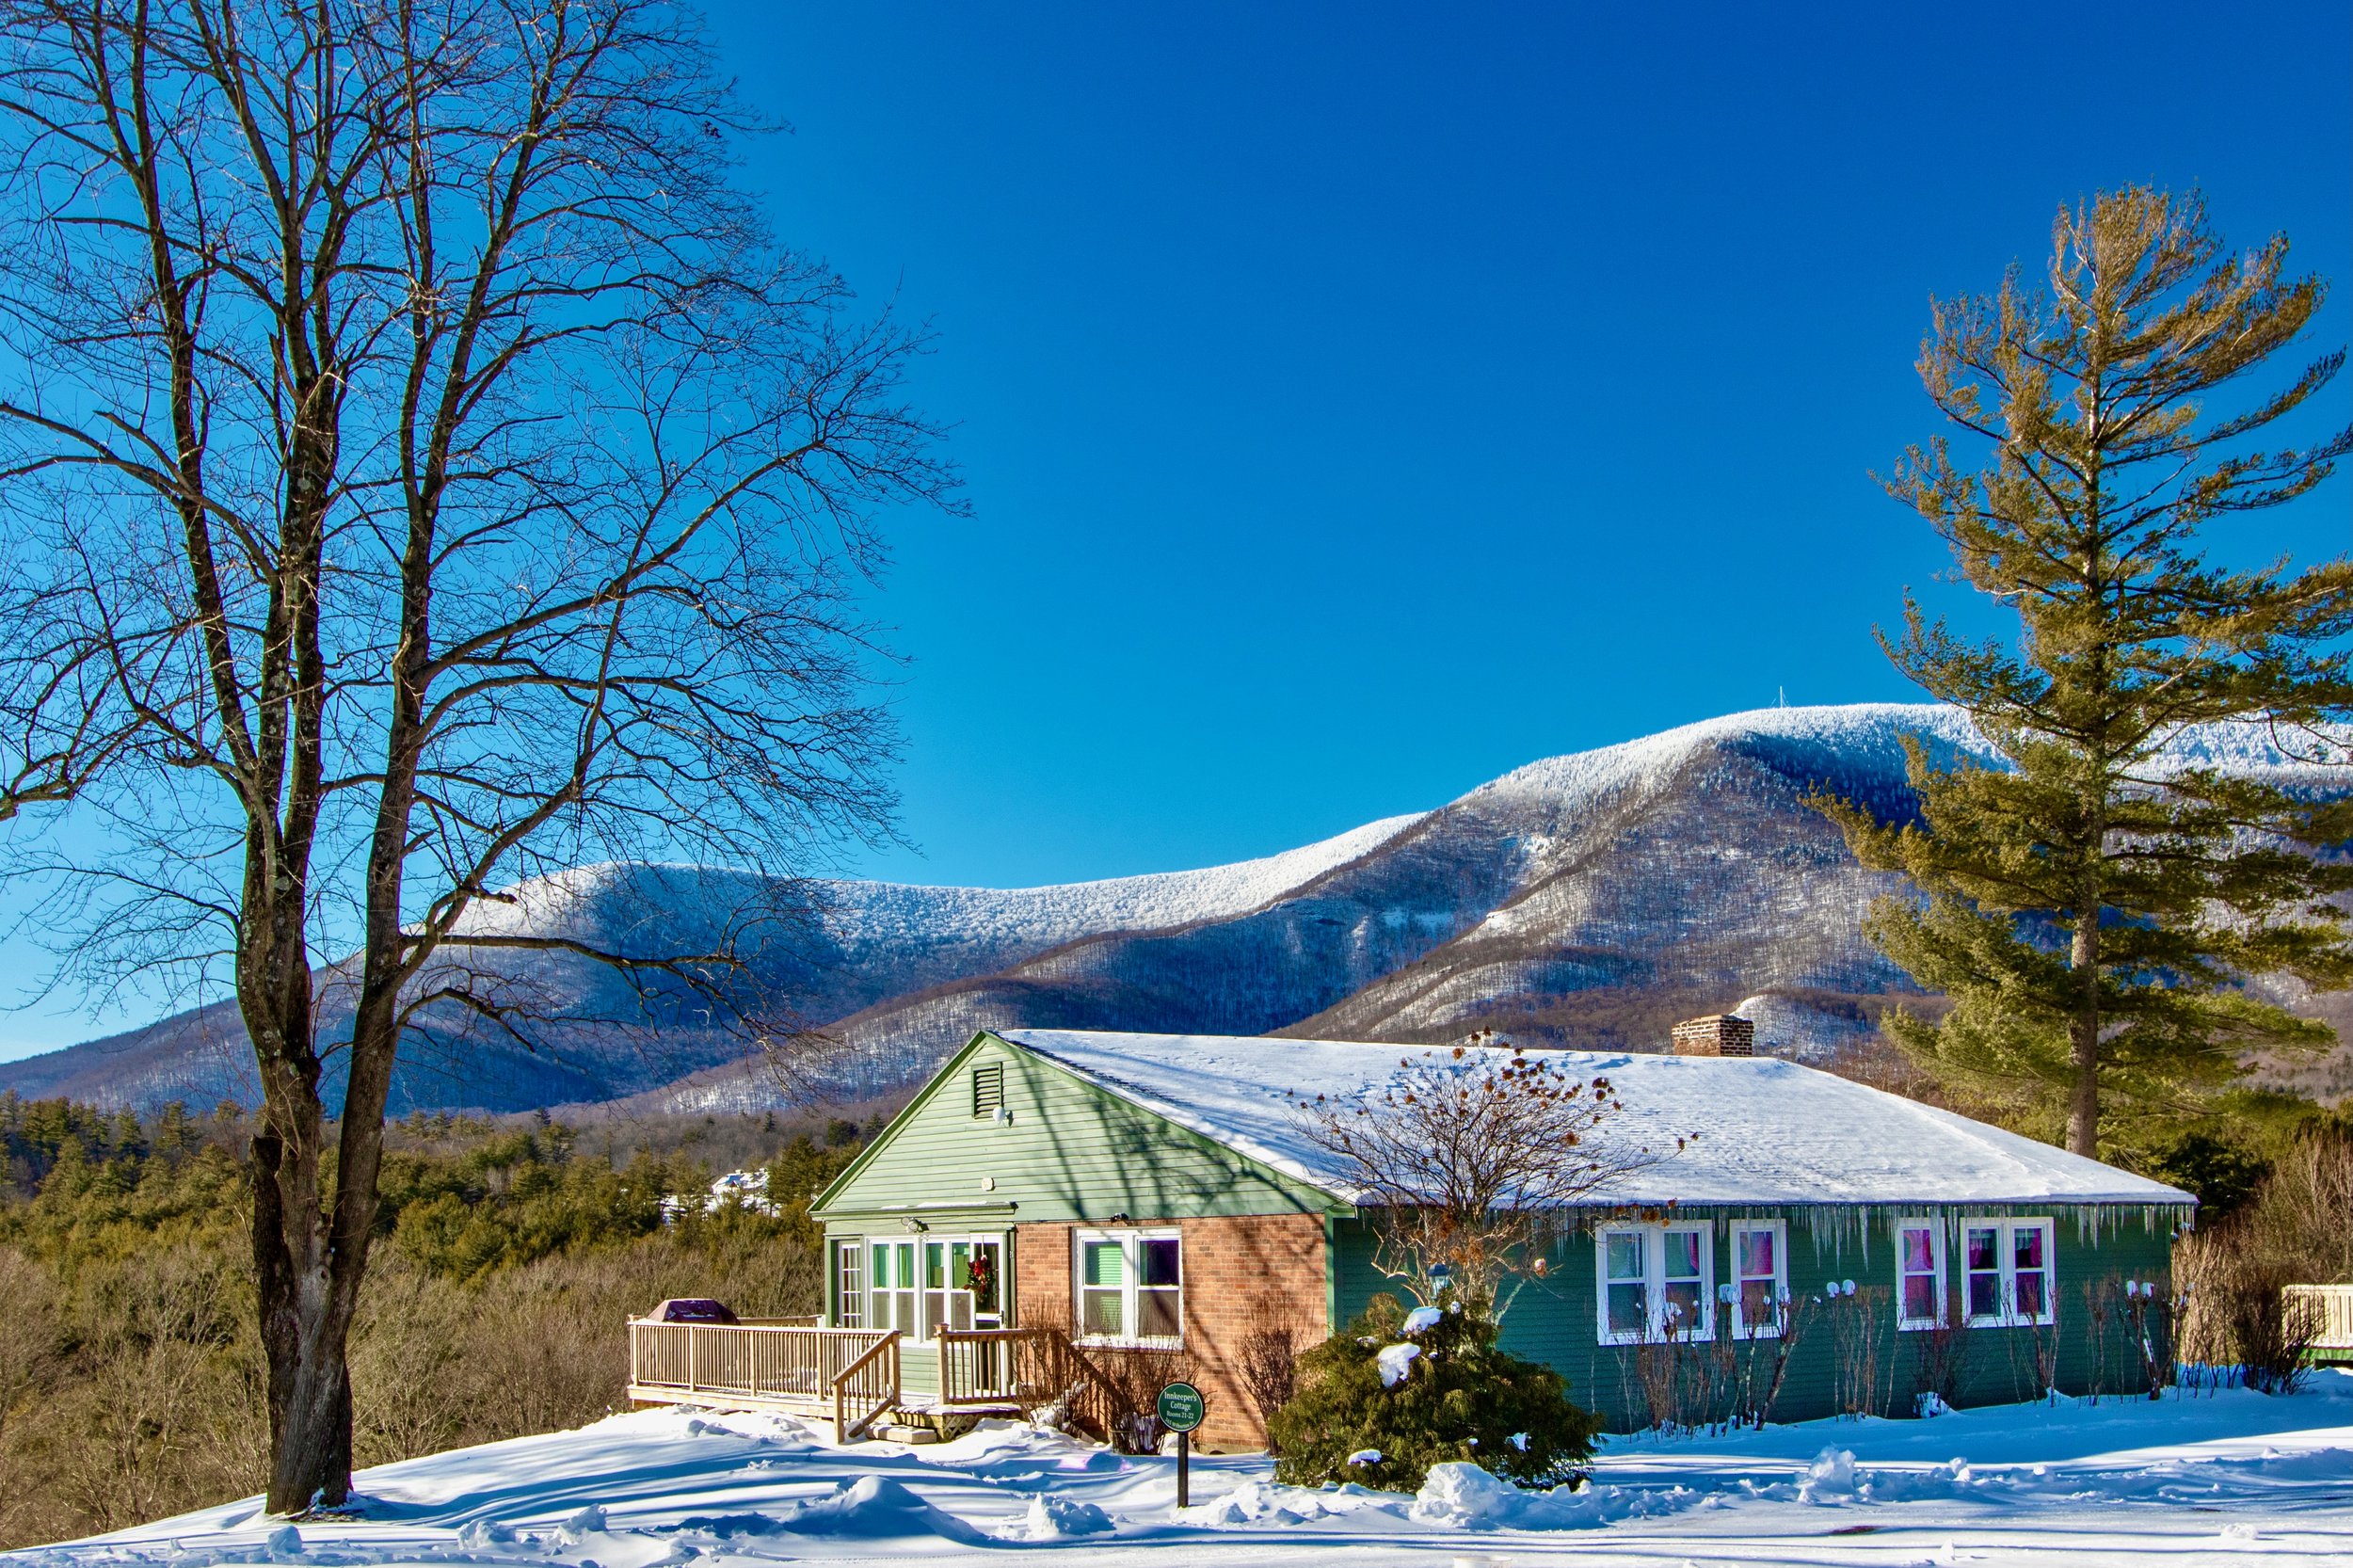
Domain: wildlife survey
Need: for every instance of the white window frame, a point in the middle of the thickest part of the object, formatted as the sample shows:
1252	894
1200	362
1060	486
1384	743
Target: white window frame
849	1281
1131	1242
1654	1283
1603	1281
1737	1284
908	1299
1935	1228
2006	1256
939	1305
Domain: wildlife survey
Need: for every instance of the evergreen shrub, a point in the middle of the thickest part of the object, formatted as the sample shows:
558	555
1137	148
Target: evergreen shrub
1460	1398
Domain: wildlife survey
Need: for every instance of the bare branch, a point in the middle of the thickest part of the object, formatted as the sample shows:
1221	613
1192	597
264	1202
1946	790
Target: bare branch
1471	1158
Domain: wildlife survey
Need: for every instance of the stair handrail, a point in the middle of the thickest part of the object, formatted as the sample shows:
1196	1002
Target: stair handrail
888	1346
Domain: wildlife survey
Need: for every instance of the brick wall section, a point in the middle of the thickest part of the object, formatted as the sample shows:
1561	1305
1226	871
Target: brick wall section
1235	1269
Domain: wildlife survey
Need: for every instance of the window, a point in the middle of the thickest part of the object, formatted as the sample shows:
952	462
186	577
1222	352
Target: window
1131	1286
1684	1271
849	1284
1160	1288
920	1287
1658	1282
1759	1287
2006	1272
1919	1275
2030	1271
947	1291
891	1287
1625	1316
988	1090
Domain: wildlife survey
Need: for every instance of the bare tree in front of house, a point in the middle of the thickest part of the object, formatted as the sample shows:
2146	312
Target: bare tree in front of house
425	472
1470	1159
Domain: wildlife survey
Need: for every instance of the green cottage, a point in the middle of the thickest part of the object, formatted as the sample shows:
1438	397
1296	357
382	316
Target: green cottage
1817	1243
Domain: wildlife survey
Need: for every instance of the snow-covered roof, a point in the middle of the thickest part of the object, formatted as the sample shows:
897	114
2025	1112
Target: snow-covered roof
1764	1130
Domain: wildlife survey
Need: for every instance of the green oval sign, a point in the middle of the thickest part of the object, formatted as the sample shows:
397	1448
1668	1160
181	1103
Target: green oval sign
1181	1407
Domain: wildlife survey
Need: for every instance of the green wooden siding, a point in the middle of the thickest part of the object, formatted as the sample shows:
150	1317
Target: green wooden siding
1068	1151
1555	1319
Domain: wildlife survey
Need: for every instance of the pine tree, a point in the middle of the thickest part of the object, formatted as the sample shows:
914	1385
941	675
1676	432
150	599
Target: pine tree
1457	1399
2095	903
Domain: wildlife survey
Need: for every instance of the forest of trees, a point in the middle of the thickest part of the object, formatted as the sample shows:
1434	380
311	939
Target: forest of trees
131	1379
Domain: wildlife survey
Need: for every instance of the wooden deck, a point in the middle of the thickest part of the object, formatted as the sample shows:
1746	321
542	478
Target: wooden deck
2332	1308
850	1377
844	1375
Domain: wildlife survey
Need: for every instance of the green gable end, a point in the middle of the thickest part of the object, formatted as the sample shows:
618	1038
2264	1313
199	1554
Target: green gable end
1001	1131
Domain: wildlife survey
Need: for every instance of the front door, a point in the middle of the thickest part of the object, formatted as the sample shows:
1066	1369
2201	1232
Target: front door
964	1288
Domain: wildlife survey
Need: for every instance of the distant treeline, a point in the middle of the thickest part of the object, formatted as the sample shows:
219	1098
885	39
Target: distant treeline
509	1253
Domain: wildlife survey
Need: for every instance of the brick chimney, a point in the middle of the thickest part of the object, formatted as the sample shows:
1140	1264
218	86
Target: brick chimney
1718	1034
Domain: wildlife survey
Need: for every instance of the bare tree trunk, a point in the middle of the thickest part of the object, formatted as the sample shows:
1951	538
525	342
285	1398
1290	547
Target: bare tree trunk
304	1335
506	511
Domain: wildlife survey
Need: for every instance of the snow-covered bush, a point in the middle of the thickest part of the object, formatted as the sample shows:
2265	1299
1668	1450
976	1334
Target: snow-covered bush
1440	1393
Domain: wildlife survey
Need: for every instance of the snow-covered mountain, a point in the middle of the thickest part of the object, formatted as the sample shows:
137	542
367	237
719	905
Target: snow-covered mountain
817	949
1588	900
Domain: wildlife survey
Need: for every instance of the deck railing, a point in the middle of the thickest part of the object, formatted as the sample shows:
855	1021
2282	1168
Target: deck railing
2330	1313
989	1366
851	1372
867	1388
1025	1366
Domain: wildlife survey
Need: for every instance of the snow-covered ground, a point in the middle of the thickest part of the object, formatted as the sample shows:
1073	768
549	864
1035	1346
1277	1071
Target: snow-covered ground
2231	1477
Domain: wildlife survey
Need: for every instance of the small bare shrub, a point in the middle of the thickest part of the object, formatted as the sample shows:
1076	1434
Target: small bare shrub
2235	1312
1132	1380
1267	1360
1687	1383
2131	1351
1764	1365
2148	1318
1860	1321
1940	1359
2033	1351
1671	1374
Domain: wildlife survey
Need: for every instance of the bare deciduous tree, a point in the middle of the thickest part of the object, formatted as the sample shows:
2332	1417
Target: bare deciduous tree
424	470
1471	1159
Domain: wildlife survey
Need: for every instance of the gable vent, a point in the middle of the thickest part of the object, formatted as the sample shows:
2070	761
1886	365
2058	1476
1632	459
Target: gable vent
988	1089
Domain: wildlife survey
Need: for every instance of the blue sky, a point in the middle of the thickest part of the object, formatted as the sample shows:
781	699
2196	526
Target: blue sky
1358	402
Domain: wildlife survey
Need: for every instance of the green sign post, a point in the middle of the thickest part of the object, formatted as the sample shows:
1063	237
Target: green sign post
1180	1409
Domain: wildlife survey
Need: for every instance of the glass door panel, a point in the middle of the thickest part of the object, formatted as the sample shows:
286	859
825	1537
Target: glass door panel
987	1281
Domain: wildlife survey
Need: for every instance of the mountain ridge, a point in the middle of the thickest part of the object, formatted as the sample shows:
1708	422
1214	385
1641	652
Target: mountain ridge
1583	899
